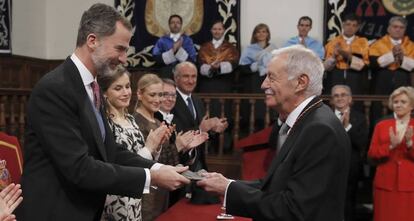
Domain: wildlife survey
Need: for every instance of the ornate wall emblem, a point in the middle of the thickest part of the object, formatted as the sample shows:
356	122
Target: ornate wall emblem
399	7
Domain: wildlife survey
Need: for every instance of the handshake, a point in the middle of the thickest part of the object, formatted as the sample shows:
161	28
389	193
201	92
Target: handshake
172	178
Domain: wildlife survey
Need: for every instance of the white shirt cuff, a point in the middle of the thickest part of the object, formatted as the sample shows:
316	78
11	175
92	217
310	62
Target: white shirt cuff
181	55
225	193
205	70
146	153
168	57
329	63
357	63
386	59
225	67
254	67
348	127
407	63
147	184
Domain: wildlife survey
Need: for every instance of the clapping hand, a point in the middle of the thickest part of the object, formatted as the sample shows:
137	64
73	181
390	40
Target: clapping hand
393	138
177	45
220	124
190	139
157	137
9	199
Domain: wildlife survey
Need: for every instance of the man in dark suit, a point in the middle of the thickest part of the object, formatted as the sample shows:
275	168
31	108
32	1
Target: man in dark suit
71	159
307	178
355	125
189	114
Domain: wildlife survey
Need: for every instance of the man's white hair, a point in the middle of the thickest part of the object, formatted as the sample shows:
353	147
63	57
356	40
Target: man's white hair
300	60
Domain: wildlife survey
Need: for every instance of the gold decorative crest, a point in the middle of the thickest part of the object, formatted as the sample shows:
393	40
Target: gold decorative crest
399	7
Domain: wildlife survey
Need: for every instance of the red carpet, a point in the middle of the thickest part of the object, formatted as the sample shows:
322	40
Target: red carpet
185	211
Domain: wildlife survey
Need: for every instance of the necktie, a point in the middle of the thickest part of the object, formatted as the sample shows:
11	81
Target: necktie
190	106
282	136
96	94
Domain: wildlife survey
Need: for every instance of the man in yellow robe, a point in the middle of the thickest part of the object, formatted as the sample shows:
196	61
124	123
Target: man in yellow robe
392	58
218	58
347	57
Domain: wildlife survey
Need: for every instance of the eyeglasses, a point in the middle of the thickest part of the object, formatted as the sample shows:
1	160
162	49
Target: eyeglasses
340	95
169	95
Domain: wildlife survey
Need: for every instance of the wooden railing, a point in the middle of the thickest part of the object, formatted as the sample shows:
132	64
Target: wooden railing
13	111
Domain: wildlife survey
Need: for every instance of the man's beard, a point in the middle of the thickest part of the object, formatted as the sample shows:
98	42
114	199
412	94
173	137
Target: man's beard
102	65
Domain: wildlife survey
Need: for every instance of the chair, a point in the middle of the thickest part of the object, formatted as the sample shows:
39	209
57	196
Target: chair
10	151
256	155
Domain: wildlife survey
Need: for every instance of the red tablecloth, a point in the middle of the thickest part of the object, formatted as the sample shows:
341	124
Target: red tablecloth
185	211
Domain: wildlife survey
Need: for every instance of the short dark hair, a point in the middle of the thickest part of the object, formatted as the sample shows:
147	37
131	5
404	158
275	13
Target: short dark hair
175	16
217	21
304	18
99	19
352	17
168	81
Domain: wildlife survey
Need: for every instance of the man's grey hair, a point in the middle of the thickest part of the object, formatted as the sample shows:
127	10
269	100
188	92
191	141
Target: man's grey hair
301	60
346	87
399	19
177	68
99	19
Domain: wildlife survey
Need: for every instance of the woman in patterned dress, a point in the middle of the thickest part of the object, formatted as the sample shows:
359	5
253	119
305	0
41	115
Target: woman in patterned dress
117	93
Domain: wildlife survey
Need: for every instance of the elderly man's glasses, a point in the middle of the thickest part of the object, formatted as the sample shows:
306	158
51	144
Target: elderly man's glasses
169	95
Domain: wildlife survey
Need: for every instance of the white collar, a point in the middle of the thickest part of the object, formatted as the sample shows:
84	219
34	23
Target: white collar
396	42
168	117
293	116
339	113
217	43
349	40
86	75
175	37
184	96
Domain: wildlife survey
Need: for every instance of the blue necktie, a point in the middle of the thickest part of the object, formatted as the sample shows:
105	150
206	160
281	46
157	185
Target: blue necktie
190	106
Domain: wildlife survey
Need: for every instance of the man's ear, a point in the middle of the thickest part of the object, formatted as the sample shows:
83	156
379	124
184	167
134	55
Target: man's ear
303	82
92	41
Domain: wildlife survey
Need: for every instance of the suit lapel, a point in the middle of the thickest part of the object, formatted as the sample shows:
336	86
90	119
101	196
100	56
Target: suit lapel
85	104
291	138
182	106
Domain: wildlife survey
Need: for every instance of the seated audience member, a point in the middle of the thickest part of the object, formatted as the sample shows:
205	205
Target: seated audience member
355	125
252	65
347	57
116	89
150	95
189	114
391	61
392	149
304	26
9	199
173	48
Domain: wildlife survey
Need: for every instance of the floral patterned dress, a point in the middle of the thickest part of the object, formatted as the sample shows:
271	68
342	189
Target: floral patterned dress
120	207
